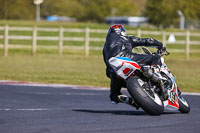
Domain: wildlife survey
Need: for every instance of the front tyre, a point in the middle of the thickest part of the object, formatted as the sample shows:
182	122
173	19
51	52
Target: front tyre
149	101
184	107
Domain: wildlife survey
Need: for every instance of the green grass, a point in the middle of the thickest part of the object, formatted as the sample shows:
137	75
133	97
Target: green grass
71	69
20	23
77	69
187	73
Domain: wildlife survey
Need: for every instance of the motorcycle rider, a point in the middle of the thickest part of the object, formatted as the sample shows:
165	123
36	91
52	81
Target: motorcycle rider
118	44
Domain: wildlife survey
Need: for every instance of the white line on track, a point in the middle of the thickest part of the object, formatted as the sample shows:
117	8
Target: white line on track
30	109
18	83
190	93
38	109
49	109
68	94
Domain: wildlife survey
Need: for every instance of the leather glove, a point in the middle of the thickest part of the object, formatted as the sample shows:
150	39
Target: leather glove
159	44
163	49
154	42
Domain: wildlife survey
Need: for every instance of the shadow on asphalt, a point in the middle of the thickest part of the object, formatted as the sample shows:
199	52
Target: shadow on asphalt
115	112
120	112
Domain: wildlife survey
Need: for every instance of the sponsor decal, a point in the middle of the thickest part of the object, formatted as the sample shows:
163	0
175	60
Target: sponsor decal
127	71
172	96
173	100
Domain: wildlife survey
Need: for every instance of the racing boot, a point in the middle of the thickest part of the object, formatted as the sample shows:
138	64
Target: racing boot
128	100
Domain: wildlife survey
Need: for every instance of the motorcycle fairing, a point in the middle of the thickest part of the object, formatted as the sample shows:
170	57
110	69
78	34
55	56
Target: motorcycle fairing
172	102
123	66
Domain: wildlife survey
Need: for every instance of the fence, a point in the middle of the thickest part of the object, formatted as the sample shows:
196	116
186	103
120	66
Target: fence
87	39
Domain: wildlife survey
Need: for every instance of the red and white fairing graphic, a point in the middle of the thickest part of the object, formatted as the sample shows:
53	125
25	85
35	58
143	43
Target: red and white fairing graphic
172	102
123	66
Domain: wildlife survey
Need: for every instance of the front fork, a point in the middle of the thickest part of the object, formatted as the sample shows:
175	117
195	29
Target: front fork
156	79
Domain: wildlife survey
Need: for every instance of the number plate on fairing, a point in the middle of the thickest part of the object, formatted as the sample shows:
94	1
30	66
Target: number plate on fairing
172	102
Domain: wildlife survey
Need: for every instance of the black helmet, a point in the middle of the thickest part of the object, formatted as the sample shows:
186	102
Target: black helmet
118	28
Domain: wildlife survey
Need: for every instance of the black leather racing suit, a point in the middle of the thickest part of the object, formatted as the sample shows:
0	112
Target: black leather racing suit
117	45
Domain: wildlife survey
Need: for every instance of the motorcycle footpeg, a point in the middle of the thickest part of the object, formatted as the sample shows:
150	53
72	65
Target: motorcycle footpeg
135	105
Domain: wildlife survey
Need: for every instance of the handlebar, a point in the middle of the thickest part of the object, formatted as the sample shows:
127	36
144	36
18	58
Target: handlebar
161	52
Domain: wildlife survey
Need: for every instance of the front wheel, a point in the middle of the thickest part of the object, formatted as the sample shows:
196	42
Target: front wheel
146	98
184	107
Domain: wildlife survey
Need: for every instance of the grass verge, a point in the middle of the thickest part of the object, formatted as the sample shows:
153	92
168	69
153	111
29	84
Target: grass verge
77	69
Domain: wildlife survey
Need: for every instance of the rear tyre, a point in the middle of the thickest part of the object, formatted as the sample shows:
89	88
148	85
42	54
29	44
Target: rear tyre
149	101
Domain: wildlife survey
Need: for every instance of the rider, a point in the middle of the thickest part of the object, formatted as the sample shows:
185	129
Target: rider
118	44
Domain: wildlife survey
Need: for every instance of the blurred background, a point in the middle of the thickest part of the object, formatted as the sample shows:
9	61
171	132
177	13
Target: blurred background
47	41
158	13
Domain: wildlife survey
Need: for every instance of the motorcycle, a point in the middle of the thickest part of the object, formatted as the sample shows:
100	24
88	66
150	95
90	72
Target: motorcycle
144	92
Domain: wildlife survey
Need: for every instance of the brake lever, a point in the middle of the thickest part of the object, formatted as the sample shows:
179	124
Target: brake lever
167	53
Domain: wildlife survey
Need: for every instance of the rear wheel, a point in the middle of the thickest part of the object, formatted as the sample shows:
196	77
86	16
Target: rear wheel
145	97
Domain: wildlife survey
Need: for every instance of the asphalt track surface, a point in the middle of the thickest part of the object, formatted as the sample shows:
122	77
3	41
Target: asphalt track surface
40	109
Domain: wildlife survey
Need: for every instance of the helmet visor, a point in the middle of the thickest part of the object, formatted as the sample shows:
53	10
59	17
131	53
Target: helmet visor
119	29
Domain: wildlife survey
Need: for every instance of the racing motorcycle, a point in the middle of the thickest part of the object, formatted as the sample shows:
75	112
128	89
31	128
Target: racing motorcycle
145	93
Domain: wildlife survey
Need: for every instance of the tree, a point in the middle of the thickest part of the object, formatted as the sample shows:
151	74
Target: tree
97	10
164	12
125	8
83	10
17	9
